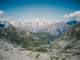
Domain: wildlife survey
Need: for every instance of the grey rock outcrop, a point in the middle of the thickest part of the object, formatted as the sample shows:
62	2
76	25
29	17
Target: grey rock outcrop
8	52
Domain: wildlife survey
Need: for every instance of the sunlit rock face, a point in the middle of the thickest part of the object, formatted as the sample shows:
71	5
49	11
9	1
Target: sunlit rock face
8	52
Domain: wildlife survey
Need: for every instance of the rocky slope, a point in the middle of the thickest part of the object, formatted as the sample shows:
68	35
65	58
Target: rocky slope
67	47
9	52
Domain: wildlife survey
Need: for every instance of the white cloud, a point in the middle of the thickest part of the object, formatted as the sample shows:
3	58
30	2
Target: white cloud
1	13
75	14
66	16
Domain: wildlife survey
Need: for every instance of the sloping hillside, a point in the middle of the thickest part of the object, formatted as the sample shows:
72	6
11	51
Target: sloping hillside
67	47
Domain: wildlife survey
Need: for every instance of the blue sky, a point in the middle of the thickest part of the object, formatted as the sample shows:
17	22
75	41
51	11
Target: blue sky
53	10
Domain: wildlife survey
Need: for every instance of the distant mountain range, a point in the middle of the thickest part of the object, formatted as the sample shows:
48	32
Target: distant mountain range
40	26
50	27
